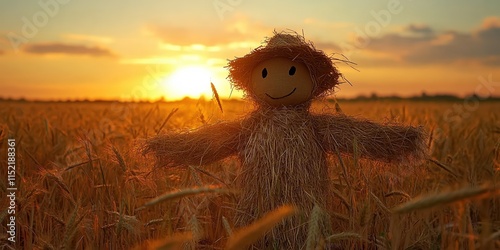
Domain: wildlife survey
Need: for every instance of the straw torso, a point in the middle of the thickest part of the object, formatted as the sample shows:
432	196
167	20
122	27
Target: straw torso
282	163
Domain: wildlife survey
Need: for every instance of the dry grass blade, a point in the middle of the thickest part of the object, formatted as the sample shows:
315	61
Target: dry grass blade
154	221
33	158
216	95
227	227
195	175
250	234
79	164
166	120
208	174
398	192
343	236
344	168
447	197
342	198
340	216
380	203
441	165
187	192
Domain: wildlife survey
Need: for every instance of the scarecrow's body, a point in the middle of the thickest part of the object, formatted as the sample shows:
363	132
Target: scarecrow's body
290	168
283	159
281	145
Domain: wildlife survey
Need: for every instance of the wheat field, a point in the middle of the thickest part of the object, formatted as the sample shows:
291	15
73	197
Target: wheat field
81	183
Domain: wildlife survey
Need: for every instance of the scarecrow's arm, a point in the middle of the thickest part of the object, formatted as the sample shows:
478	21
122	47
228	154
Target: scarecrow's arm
201	146
389	143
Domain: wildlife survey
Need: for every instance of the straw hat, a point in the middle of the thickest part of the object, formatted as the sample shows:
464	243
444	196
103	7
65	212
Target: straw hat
293	46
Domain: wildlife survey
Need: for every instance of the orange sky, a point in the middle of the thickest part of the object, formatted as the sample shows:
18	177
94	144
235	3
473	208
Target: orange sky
60	49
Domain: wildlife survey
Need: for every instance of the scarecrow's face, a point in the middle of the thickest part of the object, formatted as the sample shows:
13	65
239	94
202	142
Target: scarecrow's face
282	82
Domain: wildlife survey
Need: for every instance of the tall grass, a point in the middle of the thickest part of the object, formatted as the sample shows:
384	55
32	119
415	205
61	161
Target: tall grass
82	186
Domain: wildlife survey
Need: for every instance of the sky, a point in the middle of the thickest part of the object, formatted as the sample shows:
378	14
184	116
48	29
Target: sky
135	50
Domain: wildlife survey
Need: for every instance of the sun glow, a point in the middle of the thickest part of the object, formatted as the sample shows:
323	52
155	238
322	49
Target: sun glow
190	81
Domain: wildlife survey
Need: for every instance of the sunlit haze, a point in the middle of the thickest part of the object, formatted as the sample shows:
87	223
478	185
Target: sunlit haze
74	49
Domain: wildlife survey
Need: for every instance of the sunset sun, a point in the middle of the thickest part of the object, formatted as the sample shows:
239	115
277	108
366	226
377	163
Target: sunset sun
190	81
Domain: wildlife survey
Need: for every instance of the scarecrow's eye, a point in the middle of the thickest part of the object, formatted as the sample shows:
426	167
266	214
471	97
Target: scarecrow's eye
292	71
264	73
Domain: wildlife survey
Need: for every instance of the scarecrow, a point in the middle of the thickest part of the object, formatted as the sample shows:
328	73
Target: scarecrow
281	145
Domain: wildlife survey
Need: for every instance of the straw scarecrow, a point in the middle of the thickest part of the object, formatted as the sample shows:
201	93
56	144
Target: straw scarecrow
282	146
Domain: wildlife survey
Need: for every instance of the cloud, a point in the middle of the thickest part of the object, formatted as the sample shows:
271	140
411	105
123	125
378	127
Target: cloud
398	43
419	29
67	49
481	46
2	52
238	28
89	38
491	22
329	47
478	46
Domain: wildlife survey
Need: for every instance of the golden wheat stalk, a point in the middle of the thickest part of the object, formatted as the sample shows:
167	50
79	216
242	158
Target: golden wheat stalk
314	230
119	158
448	197
216	95
250	234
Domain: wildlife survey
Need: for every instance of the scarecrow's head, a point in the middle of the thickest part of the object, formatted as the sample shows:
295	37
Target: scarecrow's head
288	71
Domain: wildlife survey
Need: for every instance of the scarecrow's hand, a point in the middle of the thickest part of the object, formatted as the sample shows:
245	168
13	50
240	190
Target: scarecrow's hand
201	146
388	143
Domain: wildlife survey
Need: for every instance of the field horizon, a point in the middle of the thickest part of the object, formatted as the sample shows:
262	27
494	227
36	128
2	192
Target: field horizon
362	97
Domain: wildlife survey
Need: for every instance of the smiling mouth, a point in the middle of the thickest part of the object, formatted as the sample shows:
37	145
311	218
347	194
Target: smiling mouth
281	97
